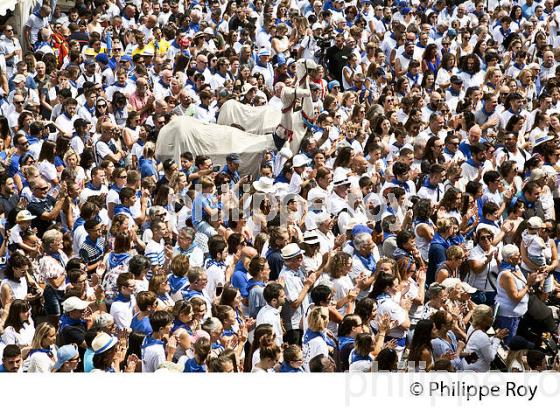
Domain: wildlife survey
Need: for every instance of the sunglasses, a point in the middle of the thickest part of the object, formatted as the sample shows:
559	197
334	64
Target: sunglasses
486	237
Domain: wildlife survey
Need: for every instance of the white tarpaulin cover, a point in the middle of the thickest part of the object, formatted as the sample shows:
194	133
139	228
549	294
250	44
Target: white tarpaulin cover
255	120
6	5
217	141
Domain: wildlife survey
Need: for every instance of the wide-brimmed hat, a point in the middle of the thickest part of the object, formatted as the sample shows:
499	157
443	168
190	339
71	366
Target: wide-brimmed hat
103	342
265	185
24	215
311	238
291	250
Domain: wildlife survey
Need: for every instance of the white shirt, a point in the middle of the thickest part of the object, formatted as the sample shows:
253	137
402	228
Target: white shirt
216	276
271	316
122	312
484	346
313	348
153	357
41	363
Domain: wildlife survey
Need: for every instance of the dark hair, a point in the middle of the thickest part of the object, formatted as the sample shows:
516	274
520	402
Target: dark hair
228	295
348	323
160	319
403	237
11	351
137	264
17	307
272	291
387	360
216	245
489	208
316	364
535	358
421	340
439	319
382	282
145	299
320	293
17	260
364	309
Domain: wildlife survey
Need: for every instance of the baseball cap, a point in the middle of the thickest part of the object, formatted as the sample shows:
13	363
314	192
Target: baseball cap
233	158
300	160
332	84
64	354
102	58
19	78
456	79
358	229
535	223
74	303
264	52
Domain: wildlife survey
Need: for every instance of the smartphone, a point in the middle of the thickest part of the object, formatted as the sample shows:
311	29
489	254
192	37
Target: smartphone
219	289
216	168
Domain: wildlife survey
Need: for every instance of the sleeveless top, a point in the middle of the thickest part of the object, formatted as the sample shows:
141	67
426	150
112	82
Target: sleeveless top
508	307
422	244
18	289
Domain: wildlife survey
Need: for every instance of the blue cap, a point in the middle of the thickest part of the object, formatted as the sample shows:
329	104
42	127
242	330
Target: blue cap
358	229
263	52
126	57
405	11
65	353
332	84
102	58
452	32
280	59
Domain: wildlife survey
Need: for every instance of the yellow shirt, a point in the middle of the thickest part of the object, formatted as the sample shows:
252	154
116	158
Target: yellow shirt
139	50
163	46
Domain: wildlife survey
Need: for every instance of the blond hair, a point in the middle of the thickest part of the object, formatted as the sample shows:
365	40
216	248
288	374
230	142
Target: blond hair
480	314
40	333
318	319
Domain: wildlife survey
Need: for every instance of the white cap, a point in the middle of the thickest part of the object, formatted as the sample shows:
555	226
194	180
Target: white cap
74	303
300	160
535	222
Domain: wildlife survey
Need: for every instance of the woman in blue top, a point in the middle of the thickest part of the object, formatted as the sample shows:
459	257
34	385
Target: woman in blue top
197	364
438	246
444	343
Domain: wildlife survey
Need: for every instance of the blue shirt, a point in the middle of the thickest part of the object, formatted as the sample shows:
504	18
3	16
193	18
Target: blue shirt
239	279
141	325
200	202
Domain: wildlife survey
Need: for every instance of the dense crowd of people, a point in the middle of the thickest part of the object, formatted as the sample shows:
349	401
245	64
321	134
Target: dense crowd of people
415	229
